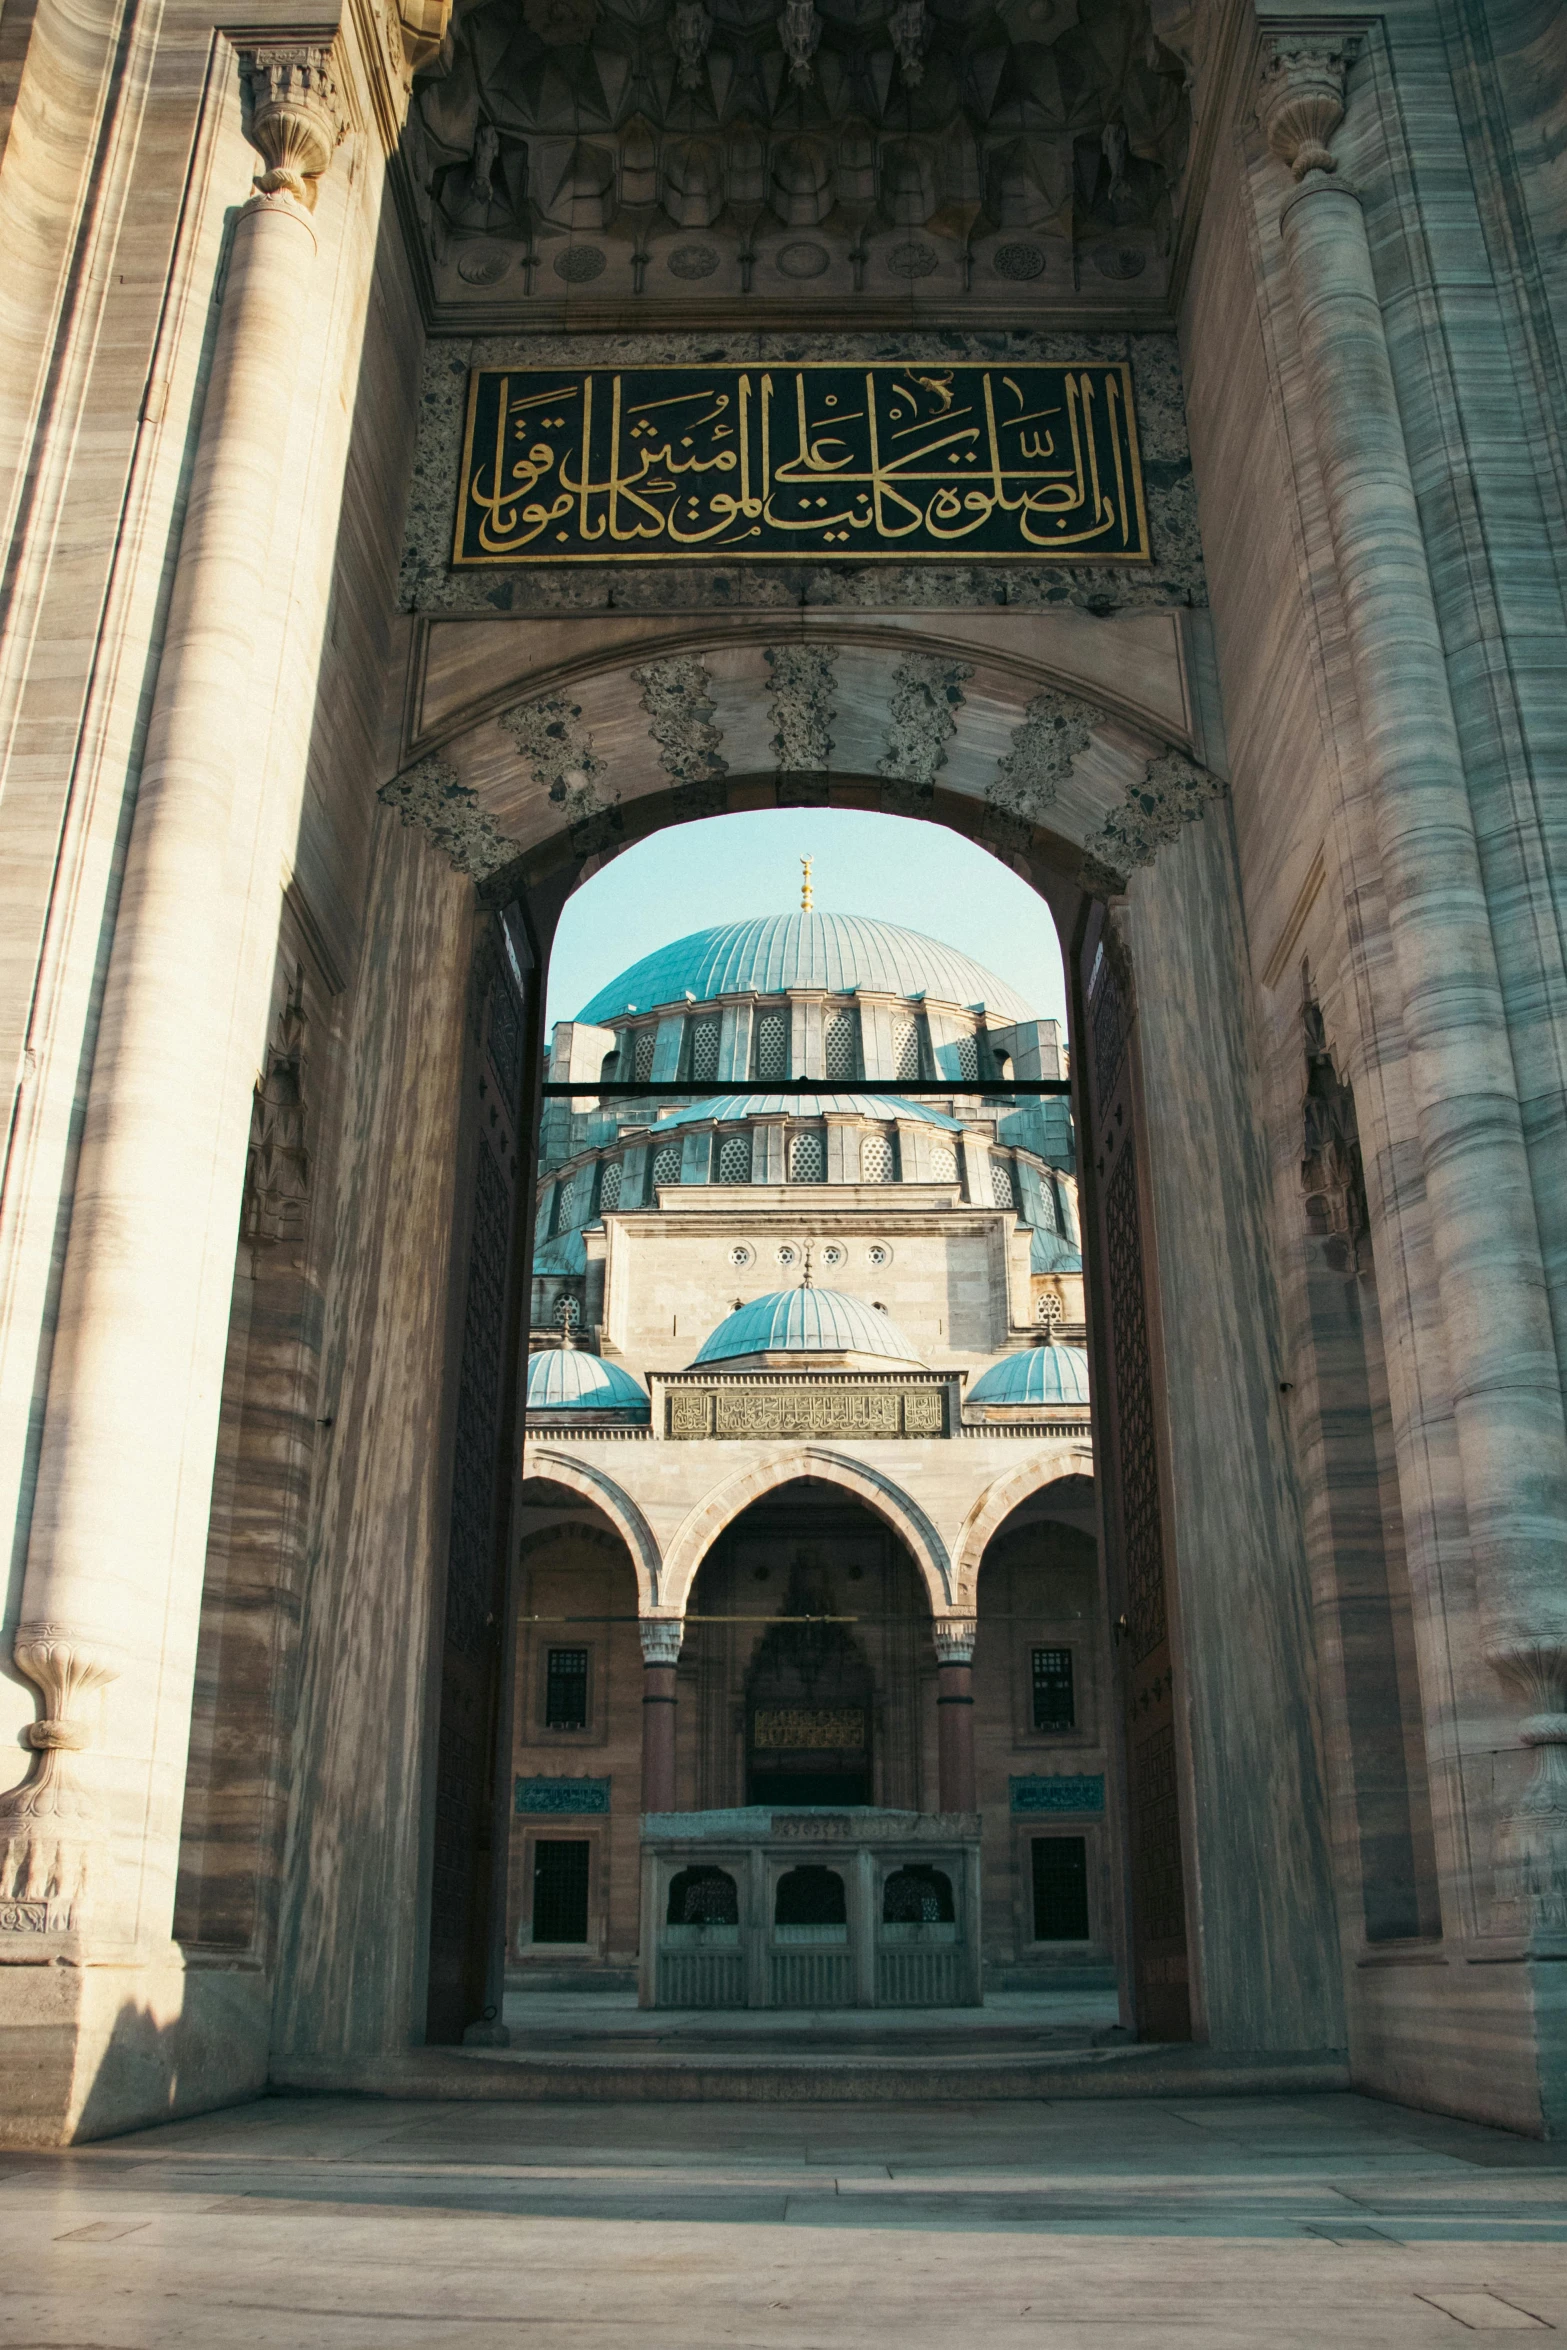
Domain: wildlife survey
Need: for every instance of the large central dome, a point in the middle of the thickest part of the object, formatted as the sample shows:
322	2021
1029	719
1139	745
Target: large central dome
776	952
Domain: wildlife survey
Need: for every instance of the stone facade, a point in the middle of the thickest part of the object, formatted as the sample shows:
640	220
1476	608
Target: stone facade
1287	795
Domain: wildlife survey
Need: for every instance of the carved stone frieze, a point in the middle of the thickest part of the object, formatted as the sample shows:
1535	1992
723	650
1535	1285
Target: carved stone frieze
430	796
926	690
802	686
696	1414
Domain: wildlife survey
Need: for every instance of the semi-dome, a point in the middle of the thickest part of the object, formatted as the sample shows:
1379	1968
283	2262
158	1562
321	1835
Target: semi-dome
807	1322
884	1106
775	952
1035	1375
569	1379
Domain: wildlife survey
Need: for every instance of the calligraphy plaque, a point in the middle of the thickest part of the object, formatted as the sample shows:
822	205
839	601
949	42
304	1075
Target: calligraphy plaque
800	1728
827	461
806	1411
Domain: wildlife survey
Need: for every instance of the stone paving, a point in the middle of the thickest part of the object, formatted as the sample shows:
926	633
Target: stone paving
354	2224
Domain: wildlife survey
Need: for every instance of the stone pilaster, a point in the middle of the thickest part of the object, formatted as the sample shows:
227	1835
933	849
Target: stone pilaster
1490	1274
113	1580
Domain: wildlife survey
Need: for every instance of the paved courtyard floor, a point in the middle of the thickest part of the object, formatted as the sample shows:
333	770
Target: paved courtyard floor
356	2224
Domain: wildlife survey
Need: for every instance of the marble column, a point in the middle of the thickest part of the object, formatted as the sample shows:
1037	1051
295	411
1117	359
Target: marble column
1490	1274
113	1579
959	1788
661	1637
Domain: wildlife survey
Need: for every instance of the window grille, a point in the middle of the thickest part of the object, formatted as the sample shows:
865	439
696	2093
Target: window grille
566	1205
560	1889
566	1689
876	1159
1060	1889
703	1897
839	1055
609	1189
734	1159
1055	1705
704	1052
647	1039
968	1056
917	1895
666	1165
567	1314
808	1158
772	1045
1050	1310
943	1163
1003	1193
905	1047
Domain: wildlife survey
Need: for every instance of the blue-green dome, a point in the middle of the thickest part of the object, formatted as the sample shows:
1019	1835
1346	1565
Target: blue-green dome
568	1379
774	952
808	1105
1036	1375
807	1322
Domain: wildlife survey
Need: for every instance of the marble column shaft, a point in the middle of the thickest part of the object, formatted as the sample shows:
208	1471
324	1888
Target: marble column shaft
1507	1393
118	1536
660	1637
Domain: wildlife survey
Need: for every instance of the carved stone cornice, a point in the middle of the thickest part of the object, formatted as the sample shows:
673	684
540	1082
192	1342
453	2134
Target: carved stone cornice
296	119
955	1637
661	1637
1300	99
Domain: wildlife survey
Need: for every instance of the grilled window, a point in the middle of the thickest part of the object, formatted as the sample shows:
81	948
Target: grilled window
566	1689
704	1051
734	1159
566	1205
943	1163
905	1047
560	1889
666	1165
609	1189
1055	1704
1060	1889
772	1045
840	1043
876	1159
968	1056
1003	1192
647	1039
808	1158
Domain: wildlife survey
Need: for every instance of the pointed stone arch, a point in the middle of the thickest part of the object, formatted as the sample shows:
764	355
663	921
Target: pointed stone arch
591	1485
703	1525
991	1511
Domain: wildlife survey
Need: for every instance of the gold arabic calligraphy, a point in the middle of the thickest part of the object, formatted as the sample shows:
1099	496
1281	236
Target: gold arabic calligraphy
826	460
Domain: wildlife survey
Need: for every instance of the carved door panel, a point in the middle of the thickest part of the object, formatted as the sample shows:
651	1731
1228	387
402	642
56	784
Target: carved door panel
467	1893
1128	1438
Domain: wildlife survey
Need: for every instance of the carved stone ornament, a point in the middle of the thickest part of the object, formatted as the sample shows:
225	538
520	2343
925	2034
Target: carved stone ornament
295	119
52	1830
277	1164
1332	1174
955	1637
910	29
800	30
1300	101
661	1637
690	35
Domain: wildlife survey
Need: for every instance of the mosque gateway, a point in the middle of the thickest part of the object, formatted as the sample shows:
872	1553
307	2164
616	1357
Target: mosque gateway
804	1484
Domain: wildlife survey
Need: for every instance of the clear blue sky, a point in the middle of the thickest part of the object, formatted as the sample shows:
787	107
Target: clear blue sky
697	875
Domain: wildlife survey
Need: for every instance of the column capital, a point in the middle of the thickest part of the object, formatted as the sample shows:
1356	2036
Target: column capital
1300	98
955	1637
296	119
661	1637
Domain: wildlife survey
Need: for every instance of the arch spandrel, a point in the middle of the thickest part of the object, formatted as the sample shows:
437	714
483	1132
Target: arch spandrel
703	1524
1004	1494
591	1485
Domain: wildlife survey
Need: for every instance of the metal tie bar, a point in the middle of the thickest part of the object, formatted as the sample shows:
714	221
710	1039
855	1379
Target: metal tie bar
624	1089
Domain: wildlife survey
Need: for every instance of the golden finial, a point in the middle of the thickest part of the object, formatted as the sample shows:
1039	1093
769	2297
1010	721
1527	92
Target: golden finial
805	883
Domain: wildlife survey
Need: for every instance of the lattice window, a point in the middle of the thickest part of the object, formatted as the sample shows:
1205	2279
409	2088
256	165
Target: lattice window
567	1314
943	1163
734	1159
905	1046
666	1165
968	1056
1134	1413
566	1689
704	1052
1003	1191
772	1045
876	1164
609	1189
1049	1310
1107	1023
840	1045
647	1040
807	1158
1055	1699
566	1204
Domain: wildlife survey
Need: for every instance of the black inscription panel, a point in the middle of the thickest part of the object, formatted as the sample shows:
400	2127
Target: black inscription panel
830	462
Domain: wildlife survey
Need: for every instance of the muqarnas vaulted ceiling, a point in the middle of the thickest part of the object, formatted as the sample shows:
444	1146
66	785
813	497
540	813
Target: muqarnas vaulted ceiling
582	156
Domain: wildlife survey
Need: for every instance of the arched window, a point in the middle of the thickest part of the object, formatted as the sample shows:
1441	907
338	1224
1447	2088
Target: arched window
703	1897
917	1895
943	1163
704	1051
876	1159
840	1045
810	1896
609	1189
647	1039
905	1045
772	1045
1003	1192
734	1159
808	1157
666	1165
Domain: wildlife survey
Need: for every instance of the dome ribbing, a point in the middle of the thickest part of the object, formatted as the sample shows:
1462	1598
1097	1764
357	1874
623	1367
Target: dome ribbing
568	1379
775	952
1035	1375
806	1322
